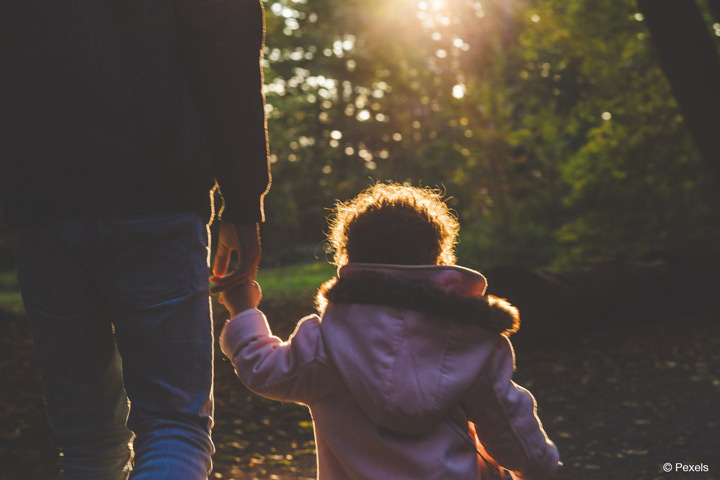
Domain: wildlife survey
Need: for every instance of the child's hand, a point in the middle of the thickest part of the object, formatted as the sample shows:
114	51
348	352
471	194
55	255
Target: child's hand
241	297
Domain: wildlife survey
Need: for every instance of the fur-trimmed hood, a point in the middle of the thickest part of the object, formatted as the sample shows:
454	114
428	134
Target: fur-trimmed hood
448	292
410	340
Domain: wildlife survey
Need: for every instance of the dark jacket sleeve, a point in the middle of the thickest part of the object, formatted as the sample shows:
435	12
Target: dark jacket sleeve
221	46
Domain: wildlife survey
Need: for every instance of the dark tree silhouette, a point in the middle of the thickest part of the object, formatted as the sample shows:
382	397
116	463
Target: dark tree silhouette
691	63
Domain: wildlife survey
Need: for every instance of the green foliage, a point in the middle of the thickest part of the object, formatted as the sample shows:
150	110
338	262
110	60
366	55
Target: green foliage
635	182
548	123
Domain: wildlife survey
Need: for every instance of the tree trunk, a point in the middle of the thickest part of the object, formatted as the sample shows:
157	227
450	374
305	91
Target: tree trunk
691	64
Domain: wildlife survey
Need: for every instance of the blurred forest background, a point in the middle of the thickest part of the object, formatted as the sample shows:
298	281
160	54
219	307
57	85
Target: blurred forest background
549	124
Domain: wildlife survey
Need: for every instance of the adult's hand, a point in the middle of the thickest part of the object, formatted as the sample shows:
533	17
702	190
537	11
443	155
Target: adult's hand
243	239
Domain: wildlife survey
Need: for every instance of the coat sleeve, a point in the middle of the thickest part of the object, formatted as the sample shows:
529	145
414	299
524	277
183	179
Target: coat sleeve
278	370
506	420
220	46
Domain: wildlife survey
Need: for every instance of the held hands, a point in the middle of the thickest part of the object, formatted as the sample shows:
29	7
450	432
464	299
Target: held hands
239	298
243	239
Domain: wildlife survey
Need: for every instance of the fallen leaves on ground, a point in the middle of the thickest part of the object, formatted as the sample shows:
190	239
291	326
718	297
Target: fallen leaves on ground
619	404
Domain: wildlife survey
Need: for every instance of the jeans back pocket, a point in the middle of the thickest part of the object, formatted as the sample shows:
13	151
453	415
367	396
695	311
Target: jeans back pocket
151	258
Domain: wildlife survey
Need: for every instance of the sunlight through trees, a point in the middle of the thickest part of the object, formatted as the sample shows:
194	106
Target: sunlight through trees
542	119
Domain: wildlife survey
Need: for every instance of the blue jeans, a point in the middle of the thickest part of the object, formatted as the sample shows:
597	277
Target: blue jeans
119	309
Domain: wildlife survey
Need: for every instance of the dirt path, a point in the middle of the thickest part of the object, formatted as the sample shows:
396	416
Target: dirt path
618	403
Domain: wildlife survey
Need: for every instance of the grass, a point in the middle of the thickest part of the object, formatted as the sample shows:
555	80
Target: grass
290	283
294	282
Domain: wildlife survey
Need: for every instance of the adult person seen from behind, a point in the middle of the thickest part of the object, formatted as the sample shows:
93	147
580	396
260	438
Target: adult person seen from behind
119	119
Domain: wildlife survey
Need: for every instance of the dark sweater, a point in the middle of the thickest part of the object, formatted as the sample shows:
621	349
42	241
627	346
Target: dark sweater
131	105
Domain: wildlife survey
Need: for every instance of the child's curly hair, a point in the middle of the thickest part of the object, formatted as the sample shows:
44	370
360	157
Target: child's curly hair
392	223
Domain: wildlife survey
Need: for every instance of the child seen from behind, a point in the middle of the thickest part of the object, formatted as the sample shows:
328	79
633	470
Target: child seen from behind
407	368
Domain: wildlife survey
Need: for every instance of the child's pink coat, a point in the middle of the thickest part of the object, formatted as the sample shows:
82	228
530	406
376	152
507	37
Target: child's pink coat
384	378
